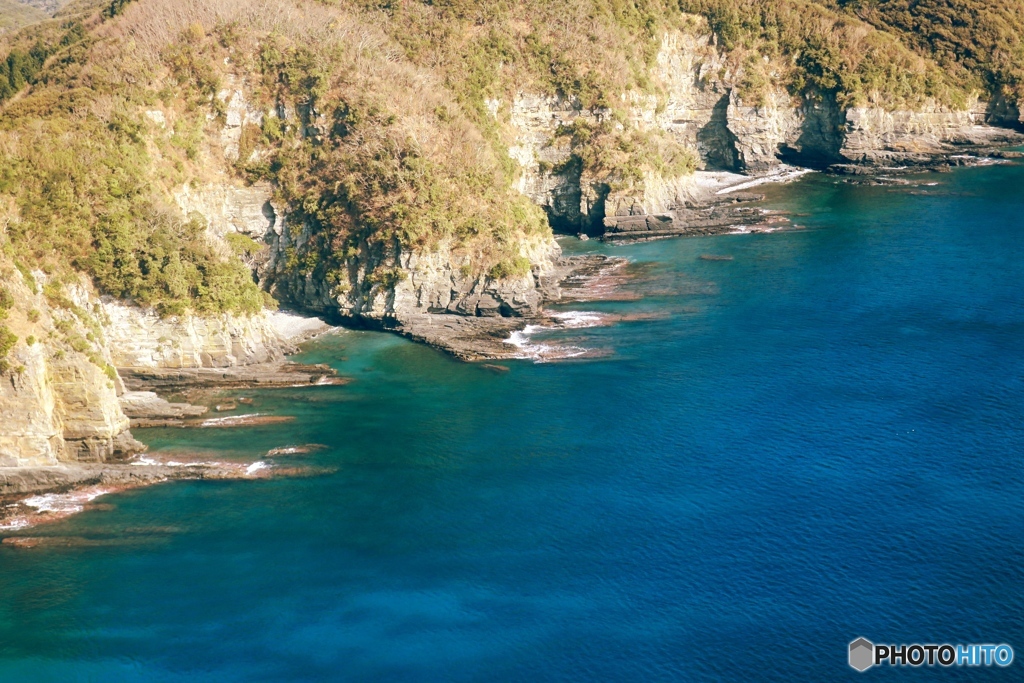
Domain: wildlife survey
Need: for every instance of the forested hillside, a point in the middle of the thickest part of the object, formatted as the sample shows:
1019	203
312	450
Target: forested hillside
980	43
382	125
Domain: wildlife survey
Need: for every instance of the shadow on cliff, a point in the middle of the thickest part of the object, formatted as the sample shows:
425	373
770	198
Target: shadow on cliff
822	135
717	144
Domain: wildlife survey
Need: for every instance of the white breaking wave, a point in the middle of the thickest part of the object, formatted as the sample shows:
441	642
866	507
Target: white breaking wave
578	318
539	352
146	461
230	419
981	161
256	467
65	503
14	524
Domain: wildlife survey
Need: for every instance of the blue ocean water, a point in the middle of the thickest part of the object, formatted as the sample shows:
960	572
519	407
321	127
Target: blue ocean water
817	440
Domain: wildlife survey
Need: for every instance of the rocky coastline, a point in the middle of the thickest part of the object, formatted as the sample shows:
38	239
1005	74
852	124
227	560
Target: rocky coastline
34	496
725	205
97	367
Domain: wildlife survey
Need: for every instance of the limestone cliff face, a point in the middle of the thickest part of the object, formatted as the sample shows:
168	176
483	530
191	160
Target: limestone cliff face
760	133
437	280
33	433
431	281
875	135
227	207
700	106
140	338
95	429
59	400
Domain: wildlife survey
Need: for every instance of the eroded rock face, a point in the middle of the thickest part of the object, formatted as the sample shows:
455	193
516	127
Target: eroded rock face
33	433
140	338
701	108
761	132
94	427
59	399
875	136
438	281
230	208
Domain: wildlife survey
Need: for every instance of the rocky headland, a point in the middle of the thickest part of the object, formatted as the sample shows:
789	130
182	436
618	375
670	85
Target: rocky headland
385	188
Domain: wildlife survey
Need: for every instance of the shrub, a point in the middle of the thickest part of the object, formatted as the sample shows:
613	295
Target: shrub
509	268
7	342
243	245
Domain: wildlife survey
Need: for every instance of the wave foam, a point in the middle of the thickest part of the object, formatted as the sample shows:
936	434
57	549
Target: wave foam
14	524
565	320
63	503
229	420
256	467
576	319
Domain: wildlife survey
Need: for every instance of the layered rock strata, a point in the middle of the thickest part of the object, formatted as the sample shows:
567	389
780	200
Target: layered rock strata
701	108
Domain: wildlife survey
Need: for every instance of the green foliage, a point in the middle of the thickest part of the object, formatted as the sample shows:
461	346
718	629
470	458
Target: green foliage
830	52
193	69
243	245
364	181
7	342
387	278
115	8
979	43
509	268
27	275
171	266
21	66
109	371
384	152
78	166
622	151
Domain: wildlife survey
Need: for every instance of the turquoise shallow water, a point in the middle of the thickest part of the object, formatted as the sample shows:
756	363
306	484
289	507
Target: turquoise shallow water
818	440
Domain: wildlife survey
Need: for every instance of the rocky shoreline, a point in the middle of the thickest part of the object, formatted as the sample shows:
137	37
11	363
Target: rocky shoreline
143	401
259	375
32	496
478	338
724	205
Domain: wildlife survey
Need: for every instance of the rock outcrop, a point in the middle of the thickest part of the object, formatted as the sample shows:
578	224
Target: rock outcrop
62	399
140	338
702	109
58	400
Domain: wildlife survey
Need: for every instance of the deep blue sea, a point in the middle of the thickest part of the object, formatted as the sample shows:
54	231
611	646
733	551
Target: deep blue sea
773	455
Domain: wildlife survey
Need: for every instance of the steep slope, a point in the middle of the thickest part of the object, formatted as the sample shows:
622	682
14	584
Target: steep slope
172	169
979	42
14	14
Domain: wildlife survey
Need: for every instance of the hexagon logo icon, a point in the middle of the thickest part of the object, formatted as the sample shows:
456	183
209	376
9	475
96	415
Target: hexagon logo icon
862	654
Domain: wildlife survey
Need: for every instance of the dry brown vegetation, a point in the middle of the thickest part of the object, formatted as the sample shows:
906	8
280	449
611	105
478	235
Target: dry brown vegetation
390	143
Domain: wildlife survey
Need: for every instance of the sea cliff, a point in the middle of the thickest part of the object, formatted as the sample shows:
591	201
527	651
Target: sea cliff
174	171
